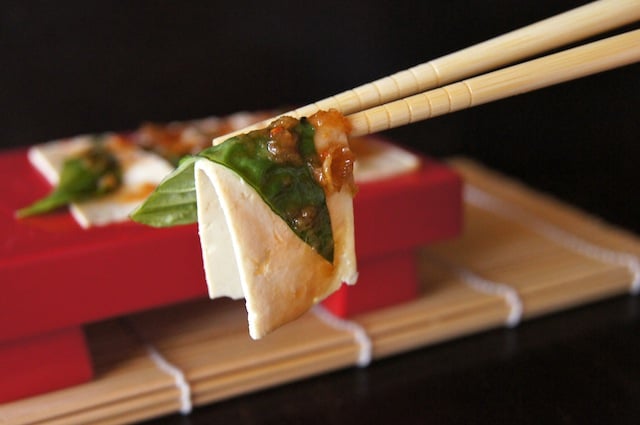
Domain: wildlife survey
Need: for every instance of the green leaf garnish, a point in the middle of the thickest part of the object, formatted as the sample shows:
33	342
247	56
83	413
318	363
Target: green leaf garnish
93	173
173	202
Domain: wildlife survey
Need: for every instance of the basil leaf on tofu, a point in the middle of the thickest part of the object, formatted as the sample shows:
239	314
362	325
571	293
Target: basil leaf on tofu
288	188
173	202
93	173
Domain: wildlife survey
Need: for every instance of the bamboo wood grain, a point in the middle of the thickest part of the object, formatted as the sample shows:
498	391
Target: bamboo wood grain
518	198
293	369
134	416
551	33
167	401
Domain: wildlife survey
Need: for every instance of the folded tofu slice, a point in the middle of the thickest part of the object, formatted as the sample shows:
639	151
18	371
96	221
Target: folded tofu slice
250	252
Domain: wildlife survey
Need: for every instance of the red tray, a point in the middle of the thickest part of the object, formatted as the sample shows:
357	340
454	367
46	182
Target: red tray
43	362
56	276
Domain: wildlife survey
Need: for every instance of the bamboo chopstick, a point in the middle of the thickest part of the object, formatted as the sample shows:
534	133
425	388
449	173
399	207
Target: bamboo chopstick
574	25
568	65
577	24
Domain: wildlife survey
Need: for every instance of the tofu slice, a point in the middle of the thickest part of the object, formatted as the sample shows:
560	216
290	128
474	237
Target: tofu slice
378	160
142	171
250	252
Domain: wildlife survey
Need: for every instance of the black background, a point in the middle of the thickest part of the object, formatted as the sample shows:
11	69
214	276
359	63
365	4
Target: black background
71	67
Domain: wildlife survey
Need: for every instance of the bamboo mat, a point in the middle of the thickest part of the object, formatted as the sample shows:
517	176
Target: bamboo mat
521	255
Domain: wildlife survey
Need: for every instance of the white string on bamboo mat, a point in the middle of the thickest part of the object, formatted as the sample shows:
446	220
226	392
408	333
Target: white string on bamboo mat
484	200
167	367
359	334
489	287
178	376
508	293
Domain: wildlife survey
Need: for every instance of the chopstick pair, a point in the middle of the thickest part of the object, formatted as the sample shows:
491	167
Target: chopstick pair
405	97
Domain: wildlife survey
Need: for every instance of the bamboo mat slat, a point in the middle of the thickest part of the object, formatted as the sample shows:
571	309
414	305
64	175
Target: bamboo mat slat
530	242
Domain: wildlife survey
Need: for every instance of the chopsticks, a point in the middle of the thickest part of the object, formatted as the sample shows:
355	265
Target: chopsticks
568	65
577	24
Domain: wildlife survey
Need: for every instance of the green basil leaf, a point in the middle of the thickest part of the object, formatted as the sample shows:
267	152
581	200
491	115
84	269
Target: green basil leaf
290	190
307	145
51	202
173	202
91	174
